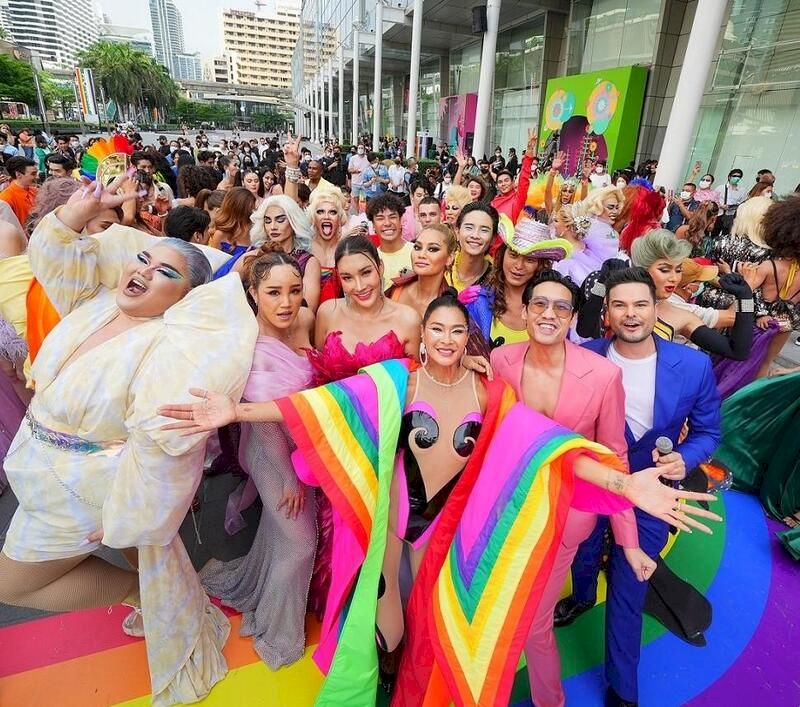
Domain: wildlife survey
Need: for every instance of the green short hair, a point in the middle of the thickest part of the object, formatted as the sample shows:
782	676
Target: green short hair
659	244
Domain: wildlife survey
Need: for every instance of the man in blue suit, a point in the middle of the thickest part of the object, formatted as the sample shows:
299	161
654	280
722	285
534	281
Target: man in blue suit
665	384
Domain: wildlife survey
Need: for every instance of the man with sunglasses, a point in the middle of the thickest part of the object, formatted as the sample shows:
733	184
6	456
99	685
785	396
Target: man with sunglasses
583	392
665	385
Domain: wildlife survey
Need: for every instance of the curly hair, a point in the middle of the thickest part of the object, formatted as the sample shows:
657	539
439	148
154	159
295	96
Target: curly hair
572	216
593	203
781	229
192	178
257	268
701	219
497	279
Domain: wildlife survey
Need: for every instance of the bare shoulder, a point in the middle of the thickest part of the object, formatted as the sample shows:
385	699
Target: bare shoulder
405	315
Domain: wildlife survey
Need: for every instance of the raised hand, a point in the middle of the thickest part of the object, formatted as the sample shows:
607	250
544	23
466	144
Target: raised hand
215	410
461	158
645	491
559	160
291	152
533	143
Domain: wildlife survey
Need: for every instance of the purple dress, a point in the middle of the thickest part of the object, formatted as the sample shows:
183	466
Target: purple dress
12	409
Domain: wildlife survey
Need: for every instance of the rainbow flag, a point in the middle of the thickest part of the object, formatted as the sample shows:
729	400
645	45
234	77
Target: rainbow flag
484	587
346	433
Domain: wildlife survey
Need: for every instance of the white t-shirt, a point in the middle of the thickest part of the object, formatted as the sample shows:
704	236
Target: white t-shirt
709	316
600	180
397	179
639	382
359	162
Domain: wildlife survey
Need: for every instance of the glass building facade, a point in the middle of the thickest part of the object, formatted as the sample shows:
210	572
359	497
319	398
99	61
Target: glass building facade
750	111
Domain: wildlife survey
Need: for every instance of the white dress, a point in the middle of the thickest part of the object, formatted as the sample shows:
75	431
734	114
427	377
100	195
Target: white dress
139	487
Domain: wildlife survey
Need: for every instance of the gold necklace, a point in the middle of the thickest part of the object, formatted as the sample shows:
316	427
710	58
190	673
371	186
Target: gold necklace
444	385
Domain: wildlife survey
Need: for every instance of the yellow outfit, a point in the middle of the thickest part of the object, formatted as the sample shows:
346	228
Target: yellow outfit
455	281
395	264
15	278
509	335
140	486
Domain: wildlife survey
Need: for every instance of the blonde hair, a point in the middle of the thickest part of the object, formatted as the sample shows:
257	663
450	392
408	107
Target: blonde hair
749	221
593	204
320	195
574	217
457	194
659	244
297	219
447	234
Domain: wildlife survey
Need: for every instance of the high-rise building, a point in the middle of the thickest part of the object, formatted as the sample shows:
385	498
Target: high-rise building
54	29
167	24
138	38
188	67
222	69
263	42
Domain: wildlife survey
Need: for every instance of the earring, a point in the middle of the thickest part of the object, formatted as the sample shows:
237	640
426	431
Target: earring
423	354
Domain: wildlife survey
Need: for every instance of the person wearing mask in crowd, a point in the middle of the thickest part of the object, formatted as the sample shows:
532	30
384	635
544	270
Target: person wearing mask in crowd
526	250
456	199
512	165
59	165
431	257
665	384
705	192
375	177
397	178
164	146
697	232
511	200
730	196
188	223
232	226
499	161
20	194
487	176
385	212
356	167
429	212
40	153
681	207
336	168
144	162
442	187
475	230
600	177
412	172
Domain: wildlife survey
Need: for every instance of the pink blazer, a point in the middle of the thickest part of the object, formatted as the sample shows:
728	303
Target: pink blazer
591	402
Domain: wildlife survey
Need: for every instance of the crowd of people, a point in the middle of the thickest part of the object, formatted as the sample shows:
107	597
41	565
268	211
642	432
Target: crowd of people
447	387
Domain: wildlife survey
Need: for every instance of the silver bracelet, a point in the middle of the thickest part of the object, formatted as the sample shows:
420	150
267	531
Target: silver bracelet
598	289
293	174
745	305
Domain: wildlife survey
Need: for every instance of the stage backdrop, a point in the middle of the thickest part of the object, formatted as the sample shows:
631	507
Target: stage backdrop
596	115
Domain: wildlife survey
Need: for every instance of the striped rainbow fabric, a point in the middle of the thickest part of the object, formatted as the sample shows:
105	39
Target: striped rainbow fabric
346	433
502	553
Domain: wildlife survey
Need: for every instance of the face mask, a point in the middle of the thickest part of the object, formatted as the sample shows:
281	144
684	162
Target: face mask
768	194
734	180
74	144
700	288
360	151
598	170
686	195
621	183
447	179
705	184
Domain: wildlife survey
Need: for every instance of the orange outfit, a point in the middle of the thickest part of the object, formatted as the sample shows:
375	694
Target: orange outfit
42	317
20	199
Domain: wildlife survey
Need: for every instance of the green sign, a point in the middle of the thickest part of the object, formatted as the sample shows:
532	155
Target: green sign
597	115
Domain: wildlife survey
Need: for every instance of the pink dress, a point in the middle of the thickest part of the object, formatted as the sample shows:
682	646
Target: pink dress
334	362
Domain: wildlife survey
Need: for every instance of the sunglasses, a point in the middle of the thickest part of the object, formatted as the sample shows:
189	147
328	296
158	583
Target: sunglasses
561	308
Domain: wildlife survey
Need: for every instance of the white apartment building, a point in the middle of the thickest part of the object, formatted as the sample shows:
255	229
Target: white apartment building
53	29
167	26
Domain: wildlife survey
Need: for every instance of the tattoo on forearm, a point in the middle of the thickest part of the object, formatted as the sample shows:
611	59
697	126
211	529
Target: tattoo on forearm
615	483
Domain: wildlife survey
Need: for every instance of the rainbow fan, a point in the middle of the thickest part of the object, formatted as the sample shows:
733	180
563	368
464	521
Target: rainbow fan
107	159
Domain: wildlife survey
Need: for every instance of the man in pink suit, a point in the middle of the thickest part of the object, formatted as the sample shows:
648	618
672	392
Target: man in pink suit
582	391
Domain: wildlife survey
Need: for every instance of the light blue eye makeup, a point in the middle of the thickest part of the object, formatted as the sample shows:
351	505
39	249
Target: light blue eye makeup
171	274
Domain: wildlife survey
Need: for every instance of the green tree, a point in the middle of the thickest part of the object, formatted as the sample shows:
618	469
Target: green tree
136	82
270	120
57	94
16	81
195	112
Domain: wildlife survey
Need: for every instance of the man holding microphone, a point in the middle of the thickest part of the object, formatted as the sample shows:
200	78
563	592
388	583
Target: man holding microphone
665	384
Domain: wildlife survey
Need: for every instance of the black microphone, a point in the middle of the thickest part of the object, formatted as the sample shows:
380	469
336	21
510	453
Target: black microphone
664	447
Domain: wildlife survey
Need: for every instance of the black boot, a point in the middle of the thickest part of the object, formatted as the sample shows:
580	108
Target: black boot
612	699
567	610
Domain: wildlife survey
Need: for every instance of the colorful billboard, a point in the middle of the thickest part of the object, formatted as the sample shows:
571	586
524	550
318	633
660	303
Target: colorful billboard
594	115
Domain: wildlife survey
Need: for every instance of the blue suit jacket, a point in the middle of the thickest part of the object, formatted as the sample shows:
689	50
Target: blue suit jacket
685	388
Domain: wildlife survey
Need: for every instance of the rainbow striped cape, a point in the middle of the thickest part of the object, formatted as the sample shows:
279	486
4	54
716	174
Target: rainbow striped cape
347	434
480	582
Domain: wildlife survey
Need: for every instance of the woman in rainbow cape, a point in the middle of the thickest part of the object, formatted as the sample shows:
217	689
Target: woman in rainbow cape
476	485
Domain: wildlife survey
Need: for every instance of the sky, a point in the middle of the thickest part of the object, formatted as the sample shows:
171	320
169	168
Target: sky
201	20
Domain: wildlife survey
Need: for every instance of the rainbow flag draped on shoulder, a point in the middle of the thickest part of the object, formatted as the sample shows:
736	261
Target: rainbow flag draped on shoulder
346	433
483	574
488	558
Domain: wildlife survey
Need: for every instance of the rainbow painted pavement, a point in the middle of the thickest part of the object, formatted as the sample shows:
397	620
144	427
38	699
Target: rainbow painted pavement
83	659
